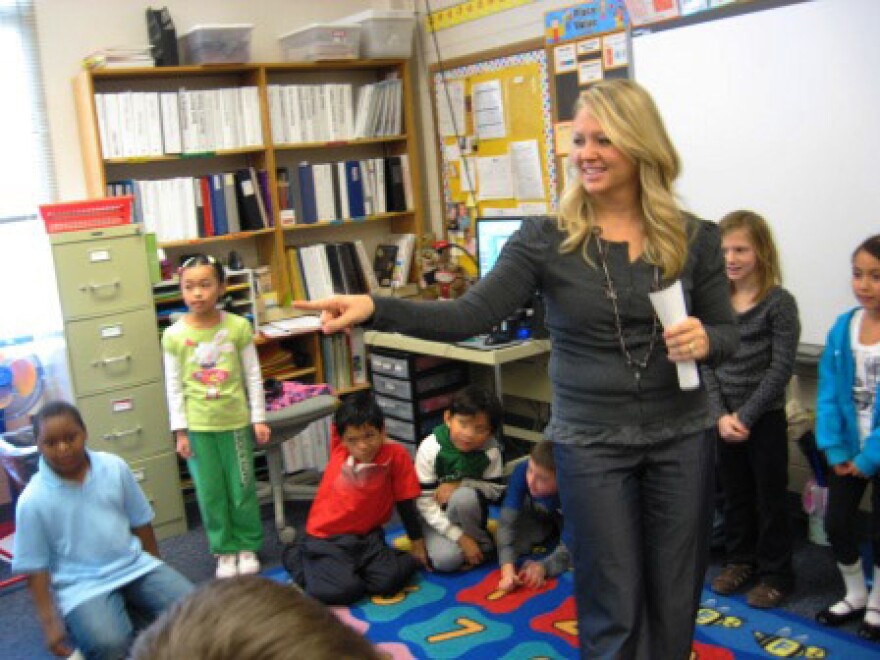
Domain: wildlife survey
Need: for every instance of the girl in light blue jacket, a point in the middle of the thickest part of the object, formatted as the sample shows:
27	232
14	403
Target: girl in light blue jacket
848	431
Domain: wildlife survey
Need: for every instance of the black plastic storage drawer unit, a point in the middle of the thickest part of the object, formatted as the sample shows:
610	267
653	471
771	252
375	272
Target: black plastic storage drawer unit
413	391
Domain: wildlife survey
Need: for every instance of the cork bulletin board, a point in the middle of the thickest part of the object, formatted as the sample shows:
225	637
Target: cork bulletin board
495	135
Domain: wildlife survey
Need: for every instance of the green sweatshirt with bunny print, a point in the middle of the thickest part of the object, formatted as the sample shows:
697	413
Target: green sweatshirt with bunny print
208	372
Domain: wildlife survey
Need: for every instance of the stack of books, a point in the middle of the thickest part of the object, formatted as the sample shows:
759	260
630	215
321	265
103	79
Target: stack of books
120	57
275	360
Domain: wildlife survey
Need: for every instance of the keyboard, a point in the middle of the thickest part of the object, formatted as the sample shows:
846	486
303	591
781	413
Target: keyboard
484	343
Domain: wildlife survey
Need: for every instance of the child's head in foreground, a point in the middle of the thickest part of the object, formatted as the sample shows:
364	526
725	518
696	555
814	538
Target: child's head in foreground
250	617
360	424
541	472
473	417
61	439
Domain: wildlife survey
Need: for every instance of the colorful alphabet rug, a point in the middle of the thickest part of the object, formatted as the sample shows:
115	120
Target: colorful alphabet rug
462	615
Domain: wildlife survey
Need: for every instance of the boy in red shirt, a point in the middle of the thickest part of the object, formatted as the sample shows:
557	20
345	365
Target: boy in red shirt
344	555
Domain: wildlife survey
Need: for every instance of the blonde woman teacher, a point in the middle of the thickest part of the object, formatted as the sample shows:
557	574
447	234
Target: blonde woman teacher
634	452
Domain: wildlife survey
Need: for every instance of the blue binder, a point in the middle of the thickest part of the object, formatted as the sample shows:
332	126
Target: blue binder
306	190
355	184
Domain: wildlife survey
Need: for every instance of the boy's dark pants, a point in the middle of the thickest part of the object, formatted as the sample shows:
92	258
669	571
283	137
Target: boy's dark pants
341	570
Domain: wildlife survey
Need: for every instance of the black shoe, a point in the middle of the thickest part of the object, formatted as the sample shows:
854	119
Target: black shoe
870	631
828	618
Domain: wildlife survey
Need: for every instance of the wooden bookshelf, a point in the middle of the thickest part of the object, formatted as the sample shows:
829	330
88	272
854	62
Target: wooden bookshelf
265	246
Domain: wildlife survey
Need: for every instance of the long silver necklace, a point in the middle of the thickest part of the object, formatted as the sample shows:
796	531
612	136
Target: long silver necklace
636	364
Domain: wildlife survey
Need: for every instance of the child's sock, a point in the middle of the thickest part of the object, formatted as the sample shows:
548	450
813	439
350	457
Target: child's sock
872	616
856	592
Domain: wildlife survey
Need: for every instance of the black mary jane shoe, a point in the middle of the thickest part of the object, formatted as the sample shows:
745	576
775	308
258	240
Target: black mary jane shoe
870	631
828	618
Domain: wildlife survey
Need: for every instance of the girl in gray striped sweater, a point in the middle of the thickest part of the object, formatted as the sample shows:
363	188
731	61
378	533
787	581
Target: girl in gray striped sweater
747	395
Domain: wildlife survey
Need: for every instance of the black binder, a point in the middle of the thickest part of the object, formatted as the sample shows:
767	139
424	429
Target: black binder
163	37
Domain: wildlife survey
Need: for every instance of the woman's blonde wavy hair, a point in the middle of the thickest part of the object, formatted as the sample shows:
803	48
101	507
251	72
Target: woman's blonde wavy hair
630	119
767	268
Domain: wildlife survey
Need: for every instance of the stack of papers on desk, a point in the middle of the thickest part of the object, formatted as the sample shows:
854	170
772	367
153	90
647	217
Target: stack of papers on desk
292	326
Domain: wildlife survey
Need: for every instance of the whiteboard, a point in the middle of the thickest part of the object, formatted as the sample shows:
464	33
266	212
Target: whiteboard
778	111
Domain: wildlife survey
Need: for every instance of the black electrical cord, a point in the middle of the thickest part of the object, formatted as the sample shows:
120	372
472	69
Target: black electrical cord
459	139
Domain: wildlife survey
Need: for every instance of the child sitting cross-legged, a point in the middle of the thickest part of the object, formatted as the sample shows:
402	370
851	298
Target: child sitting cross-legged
460	471
531	515
344	555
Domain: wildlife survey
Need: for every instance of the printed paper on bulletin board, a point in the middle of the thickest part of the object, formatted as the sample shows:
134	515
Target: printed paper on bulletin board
524	83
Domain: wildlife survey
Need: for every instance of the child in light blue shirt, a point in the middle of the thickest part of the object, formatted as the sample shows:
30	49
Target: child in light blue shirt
84	537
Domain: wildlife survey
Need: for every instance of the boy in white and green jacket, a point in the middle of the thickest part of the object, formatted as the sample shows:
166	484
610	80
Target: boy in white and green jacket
459	467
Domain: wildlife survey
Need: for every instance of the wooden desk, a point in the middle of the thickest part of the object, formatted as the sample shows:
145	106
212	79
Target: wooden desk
519	370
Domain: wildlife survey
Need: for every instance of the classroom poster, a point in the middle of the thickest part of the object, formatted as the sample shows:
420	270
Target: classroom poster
642	12
689	7
584	19
615	50
589	72
565	58
495	177
588	46
562	132
525	157
488	100
450	108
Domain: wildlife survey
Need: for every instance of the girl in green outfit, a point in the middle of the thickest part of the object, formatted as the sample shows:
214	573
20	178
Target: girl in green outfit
210	360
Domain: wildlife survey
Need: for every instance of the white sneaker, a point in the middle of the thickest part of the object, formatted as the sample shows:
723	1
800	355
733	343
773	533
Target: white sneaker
227	566
248	563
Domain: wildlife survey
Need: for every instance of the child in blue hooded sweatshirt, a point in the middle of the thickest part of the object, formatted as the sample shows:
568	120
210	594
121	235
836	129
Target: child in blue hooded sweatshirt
848	431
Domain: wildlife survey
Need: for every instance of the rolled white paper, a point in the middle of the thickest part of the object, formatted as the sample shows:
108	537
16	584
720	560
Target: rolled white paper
670	308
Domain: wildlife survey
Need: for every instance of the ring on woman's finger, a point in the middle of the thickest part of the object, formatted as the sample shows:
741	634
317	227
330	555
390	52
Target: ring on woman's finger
693	347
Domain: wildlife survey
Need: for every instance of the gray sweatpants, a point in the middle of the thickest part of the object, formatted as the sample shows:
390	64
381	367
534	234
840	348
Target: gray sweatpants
468	509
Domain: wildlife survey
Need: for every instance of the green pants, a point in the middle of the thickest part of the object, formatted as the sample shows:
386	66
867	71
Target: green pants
222	469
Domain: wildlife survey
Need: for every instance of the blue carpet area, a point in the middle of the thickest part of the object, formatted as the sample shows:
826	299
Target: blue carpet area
731	629
818	584
460	615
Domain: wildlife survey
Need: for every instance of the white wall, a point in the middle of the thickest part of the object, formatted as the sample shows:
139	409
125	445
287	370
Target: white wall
776	111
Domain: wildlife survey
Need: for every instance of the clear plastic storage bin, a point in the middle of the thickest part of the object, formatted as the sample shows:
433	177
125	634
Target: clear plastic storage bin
384	33
321	41
217	44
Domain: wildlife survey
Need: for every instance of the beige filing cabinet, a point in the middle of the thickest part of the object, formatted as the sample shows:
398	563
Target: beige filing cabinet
115	359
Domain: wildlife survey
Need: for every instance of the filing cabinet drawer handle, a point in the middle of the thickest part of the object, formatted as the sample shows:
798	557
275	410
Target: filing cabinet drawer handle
108	361
116	435
96	287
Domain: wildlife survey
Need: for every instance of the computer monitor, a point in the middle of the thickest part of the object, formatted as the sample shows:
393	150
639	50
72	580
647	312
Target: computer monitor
491	235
